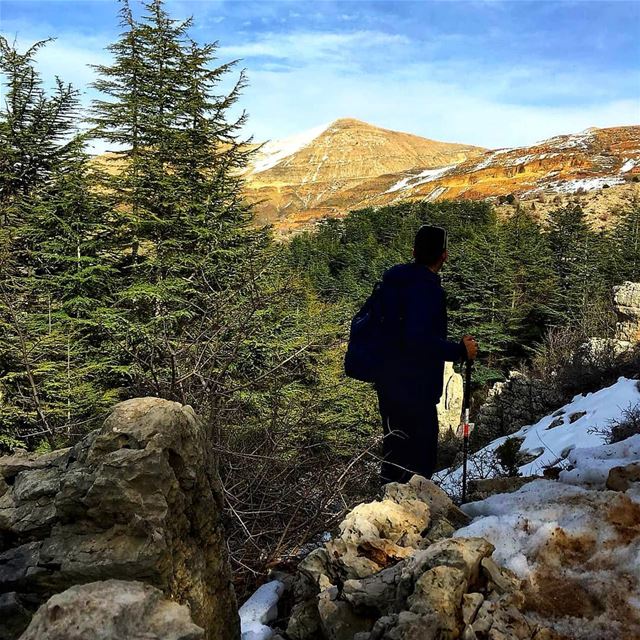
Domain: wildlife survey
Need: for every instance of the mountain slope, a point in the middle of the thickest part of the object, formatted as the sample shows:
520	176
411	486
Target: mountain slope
291	180
350	164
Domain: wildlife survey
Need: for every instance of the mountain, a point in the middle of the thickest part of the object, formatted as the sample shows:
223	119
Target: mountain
324	171
350	164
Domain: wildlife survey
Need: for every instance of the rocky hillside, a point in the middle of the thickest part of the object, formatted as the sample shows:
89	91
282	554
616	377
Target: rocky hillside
350	164
536	559
327	170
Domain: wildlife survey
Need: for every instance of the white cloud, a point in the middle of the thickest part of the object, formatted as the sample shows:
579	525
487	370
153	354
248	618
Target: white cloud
312	46
322	76
300	98
300	79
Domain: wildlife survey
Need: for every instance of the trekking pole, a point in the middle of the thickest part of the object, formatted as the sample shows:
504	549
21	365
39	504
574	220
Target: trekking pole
466	427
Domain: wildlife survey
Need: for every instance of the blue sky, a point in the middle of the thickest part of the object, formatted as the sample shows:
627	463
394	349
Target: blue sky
481	72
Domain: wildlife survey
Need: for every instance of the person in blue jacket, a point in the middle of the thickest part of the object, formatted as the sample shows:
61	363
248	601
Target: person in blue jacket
410	383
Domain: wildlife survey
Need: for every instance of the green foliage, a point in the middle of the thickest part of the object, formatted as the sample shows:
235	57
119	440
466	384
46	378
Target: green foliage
509	457
54	373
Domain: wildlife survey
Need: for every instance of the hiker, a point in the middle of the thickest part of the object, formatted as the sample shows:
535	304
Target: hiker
409	384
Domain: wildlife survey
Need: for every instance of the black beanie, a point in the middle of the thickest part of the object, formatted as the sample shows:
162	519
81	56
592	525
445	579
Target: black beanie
430	244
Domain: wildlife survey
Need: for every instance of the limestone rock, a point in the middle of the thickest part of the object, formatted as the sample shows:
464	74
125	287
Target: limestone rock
627	308
438	593
377	591
419	488
304	621
621	478
471	603
450	405
337	618
381	579
139	499
112	610
376	534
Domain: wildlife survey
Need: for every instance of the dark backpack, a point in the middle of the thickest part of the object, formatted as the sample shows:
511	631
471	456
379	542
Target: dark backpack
367	340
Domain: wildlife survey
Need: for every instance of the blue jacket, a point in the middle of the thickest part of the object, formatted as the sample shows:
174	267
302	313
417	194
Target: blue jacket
414	306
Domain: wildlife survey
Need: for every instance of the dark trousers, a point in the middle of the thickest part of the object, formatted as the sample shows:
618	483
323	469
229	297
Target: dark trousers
410	442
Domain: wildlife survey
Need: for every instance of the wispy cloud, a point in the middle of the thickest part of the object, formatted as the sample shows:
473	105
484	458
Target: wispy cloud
488	73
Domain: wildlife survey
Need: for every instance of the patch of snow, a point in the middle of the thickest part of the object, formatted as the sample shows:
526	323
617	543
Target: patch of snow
428	175
260	609
628	165
274	151
591	465
436	193
560	537
578	141
588	184
553	444
486	162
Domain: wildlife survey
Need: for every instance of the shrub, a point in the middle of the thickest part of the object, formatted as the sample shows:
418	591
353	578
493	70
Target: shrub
509	457
627	426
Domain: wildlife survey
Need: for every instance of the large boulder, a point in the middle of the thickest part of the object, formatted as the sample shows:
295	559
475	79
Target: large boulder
627	308
112	610
137	500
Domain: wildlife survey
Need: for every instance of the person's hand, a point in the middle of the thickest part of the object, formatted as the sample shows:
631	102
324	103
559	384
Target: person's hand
471	346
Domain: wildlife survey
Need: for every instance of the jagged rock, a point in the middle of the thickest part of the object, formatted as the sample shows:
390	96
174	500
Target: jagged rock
377	534
438	593
450	406
313	572
304	621
517	401
413	626
451	589
374	592
138	499
337	618
502	621
501	580
621	478
439	503
627	307
399	522
465	554
112	610
471	603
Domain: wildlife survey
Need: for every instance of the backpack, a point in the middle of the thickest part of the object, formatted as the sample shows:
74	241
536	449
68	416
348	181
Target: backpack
367	340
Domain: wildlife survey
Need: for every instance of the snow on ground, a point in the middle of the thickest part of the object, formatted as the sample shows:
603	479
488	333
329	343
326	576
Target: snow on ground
575	545
580	140
628	165
274	151
260	609
588	184
573	426
428	175
577	550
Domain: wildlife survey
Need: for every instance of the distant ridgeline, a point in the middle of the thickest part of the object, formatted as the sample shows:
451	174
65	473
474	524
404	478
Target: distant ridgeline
346	165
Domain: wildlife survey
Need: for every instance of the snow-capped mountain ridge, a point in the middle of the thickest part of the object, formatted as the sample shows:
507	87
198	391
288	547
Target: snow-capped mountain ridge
349	164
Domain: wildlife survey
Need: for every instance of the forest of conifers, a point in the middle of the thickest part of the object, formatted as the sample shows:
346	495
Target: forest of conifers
141	273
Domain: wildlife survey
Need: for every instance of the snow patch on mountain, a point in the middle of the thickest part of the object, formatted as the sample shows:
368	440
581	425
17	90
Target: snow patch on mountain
551	439
272	152
628	165
428	175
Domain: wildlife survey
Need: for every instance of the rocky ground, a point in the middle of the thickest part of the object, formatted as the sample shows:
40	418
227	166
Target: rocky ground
132	514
